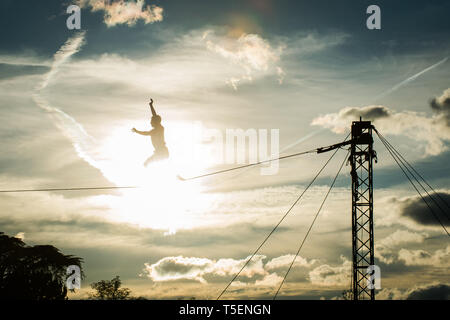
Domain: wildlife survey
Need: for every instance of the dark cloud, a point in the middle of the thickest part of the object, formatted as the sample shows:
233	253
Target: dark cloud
441	106
417	210
367	113
433	292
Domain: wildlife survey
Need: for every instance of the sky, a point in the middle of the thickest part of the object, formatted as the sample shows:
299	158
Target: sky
306	69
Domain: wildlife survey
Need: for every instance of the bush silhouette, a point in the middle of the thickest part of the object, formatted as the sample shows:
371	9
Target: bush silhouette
110	290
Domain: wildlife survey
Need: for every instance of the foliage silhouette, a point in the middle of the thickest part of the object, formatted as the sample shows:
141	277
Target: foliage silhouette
33	272
110	290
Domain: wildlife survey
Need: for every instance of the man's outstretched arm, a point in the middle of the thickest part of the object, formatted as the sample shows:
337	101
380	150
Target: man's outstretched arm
151	107
144	133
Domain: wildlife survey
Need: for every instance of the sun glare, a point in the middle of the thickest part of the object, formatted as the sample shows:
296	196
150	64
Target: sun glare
161	200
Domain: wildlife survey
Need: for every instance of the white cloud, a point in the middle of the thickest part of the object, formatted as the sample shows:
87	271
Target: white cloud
181	67
175	268
259	57
250	51
286	260
192	268
402	236
307	43
124	12
326	275
440	258
391	294
384	248
269	280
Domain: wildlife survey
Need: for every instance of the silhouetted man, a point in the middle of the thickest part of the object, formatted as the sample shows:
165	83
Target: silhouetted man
157	134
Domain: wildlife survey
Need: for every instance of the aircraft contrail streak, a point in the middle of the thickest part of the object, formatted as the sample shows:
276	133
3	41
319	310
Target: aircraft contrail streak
73	130
412	78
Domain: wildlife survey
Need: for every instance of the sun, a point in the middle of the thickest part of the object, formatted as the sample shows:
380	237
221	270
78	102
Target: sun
161	200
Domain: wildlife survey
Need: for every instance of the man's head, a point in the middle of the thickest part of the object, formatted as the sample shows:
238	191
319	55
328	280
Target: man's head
156	121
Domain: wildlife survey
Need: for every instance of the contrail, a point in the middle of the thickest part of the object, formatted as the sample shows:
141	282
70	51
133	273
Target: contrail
412	78
73	130
302	139
72	46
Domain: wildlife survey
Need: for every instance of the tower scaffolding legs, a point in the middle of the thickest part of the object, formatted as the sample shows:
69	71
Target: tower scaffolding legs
361	159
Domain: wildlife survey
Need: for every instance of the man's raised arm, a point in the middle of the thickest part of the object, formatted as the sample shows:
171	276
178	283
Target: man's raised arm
151	106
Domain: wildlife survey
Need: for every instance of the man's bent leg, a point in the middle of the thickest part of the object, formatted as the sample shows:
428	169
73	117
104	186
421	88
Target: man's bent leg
157	156
150	159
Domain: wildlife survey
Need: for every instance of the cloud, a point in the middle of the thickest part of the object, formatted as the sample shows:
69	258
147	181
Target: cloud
384	248
182	66
249	51
417	210
391	294
433	291
8	71
175	268
414	125
124	12
326	275
286	260
441	106
270	280
192	268
371	112
23	59
308	43
20	235
402	236
259	57
420	257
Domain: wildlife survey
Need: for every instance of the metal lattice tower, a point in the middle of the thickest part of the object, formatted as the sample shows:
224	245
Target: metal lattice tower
361	160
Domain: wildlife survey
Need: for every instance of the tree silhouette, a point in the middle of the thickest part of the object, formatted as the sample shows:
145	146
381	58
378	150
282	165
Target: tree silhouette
347	294
33	272
110	290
